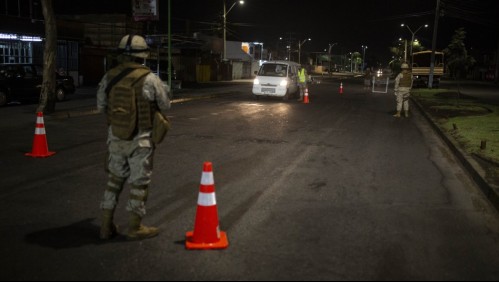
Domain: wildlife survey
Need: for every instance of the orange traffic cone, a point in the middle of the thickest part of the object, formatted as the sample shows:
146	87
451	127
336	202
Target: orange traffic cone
40	147
206	234
305	99
341	87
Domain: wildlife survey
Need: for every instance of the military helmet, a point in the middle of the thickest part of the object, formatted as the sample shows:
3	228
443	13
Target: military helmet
134	45
404	66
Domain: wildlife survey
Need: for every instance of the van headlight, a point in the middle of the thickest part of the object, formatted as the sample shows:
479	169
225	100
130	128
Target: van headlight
284	82
256	81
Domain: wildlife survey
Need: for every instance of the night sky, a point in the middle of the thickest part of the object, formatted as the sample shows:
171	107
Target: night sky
350	24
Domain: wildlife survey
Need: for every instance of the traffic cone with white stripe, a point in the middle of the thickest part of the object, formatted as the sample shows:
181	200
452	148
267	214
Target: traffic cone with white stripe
40	146
341	87
306	99
206	234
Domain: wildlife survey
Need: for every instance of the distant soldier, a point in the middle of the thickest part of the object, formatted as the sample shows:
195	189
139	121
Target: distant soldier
130	94
403	85
367	79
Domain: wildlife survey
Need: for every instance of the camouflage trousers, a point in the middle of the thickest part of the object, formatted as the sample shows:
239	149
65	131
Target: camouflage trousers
403	95
301	87
132	160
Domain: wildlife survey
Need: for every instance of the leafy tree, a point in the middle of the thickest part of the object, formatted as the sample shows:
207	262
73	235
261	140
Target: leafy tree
458	60
356	60
398	50
47	95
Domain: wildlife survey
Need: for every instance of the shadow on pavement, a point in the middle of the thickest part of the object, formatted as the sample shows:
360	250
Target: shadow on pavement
76	235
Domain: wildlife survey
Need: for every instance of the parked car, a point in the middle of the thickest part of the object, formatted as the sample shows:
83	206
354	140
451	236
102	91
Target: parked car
22	82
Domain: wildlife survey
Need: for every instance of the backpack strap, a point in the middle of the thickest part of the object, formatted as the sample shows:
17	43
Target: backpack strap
117	78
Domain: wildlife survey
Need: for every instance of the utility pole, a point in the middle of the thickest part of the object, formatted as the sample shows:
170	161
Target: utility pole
434	45
300	43
363	57
329	51
405	51
225	31
496	79
169	49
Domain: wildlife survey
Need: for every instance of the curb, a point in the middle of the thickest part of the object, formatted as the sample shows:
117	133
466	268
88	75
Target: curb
476	171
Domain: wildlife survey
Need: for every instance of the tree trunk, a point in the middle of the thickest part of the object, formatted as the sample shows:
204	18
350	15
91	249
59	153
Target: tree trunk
47	95
496	79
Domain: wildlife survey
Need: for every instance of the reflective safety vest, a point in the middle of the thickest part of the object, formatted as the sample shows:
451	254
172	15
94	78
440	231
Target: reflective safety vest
128	110
301	76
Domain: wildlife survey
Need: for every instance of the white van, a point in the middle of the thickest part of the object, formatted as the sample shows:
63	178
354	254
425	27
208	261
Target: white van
277	79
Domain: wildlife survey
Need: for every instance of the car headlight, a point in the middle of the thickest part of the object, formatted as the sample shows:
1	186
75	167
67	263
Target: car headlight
284	82
256	81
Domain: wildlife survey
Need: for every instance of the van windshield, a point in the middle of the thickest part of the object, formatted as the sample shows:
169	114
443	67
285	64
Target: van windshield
277	70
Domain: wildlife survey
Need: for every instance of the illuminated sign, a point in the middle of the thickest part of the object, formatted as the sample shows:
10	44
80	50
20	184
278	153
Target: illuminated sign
10	36
145	10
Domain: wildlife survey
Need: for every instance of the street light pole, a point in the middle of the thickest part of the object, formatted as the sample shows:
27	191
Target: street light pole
225	26
169	48
351	62
434	46
405	49
413	35
330	47
364	57
299	49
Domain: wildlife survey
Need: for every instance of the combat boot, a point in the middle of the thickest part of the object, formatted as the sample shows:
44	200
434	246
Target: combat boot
397	115
108	229
137	231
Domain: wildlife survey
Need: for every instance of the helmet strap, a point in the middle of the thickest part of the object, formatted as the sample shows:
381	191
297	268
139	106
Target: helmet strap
128	46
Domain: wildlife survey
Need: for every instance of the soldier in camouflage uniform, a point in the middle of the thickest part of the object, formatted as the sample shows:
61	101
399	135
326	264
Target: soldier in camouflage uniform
129	95
403	85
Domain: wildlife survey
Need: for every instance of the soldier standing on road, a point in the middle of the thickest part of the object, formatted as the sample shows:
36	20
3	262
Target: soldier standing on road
130	94
302	82
367	79
403	85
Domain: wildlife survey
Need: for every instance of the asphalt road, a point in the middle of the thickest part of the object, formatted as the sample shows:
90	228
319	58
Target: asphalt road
333	190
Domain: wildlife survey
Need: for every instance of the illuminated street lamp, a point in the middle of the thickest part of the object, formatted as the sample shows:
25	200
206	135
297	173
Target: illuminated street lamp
364	57
299	48
413	34
225	25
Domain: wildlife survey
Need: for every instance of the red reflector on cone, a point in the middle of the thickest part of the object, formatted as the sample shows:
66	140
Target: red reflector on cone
206	234
40	146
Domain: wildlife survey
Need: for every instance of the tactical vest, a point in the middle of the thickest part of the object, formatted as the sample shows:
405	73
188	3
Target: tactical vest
128	109
406	80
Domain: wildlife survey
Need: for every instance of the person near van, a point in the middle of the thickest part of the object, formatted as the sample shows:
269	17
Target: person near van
129	95
403	85
302	81
367	79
